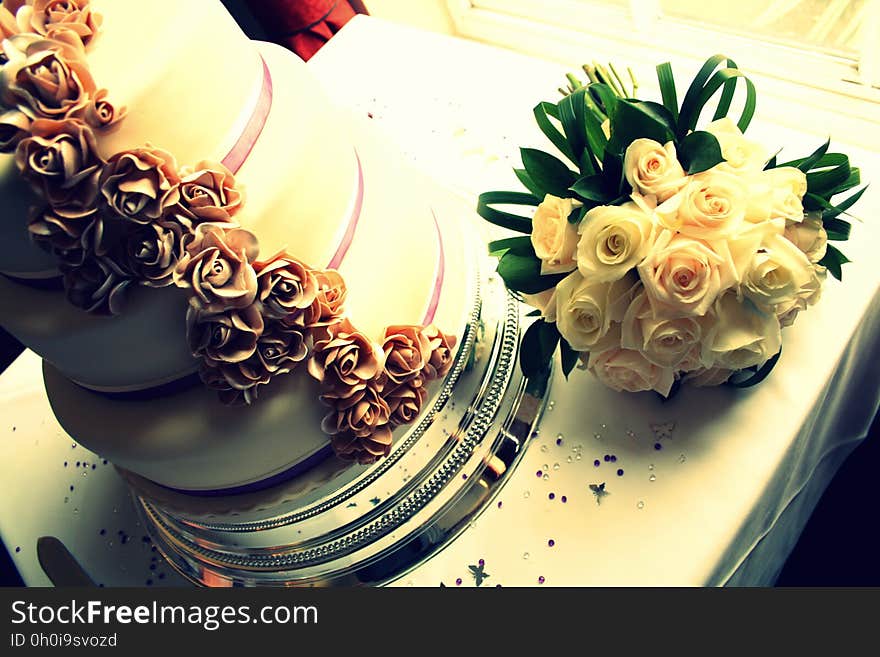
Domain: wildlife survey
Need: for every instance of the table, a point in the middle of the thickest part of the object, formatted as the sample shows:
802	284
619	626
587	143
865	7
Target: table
711	488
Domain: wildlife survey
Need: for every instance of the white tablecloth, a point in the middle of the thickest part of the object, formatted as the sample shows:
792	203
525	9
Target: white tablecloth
711	488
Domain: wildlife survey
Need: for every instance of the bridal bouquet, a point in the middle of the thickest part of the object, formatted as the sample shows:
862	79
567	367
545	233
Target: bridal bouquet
662	253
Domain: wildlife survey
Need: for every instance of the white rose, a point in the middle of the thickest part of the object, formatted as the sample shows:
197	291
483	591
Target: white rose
553	237
741	336
744	244
653	169
712	205
664	342
777	274
613	240
786	205
740	154
585	310
790	178
545	302
707	377
807	296
627	370
809	236
683	275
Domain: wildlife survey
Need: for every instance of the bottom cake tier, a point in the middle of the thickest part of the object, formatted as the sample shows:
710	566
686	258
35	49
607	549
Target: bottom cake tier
350	525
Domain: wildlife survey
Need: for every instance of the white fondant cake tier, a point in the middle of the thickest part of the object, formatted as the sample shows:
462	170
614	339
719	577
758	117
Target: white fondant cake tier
189	440
317	184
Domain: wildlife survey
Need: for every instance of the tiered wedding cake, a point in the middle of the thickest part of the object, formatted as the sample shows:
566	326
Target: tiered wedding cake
176	203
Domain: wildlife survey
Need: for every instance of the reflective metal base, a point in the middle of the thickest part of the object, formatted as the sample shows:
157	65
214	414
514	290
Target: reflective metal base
370	525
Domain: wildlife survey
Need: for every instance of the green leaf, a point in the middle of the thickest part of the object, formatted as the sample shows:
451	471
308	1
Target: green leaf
522	273
505	219
844	205
591	188
837	229
605	98
835	173
536	350
753	375
548	173
806	163
705	84
542	112
633	121
534	313
521	245
574	118
528	183
855	177
568	356
612	172
572	110
699	151
667	89
834	261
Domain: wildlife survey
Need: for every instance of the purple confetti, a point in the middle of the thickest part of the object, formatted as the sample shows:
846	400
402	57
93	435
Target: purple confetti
620	472
481	563
551	542
564	499
597	463
458	582
541	579
658	446
552	496
539	473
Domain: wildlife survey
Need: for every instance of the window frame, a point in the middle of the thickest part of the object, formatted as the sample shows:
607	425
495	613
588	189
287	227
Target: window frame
825	89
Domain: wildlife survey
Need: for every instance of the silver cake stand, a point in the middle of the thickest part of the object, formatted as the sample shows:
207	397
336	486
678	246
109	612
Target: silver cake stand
370	525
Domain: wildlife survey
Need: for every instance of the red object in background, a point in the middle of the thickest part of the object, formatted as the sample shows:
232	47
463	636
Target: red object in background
304	25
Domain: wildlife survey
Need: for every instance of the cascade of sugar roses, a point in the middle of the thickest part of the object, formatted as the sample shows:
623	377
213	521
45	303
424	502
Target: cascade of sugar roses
667	250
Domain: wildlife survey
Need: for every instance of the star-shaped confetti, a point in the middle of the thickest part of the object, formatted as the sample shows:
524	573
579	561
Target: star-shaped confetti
478	573
599	491
662	430
375	501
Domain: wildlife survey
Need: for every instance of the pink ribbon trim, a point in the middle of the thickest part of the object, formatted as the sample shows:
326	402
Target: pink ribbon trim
251	133
439	274
348	237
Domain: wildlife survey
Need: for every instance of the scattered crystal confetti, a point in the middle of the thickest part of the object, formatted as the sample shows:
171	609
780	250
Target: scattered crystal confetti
544	448
682	458
599	491
653	477
577	457
526	495
546	477
555	466
641	504
526	555
478	573
568	459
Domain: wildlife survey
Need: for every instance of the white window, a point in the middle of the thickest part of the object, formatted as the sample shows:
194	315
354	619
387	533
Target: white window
821	55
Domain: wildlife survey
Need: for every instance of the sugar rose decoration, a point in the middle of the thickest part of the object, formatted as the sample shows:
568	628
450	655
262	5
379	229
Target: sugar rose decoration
663	252
371	389
136	218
